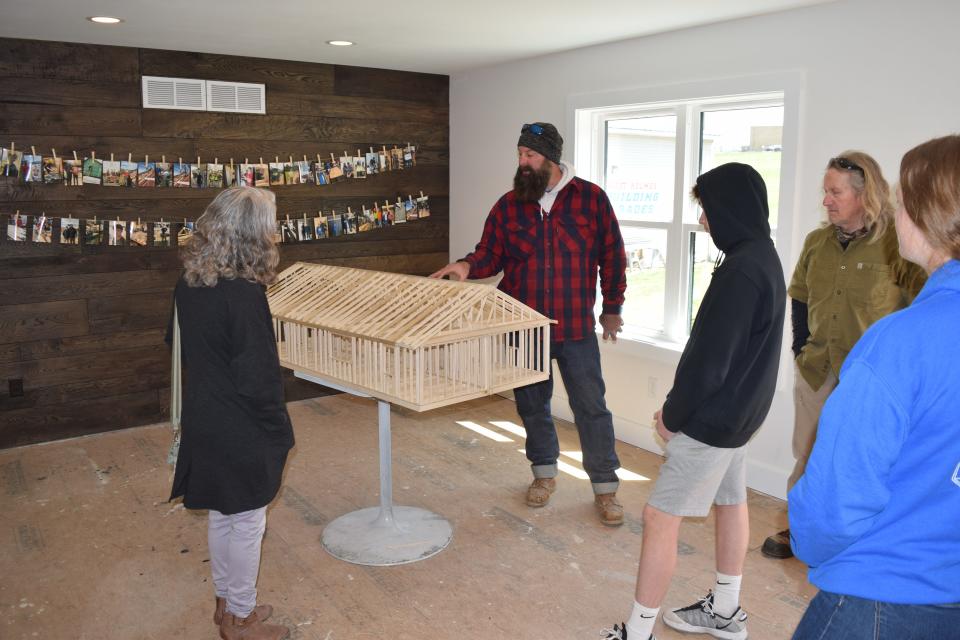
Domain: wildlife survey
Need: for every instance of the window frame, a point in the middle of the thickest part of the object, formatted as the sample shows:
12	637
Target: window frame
588	117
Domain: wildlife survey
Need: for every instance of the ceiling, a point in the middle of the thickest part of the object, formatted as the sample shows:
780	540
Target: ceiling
434	36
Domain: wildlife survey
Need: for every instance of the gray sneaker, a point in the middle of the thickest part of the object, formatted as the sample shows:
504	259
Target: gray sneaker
619	632
701	618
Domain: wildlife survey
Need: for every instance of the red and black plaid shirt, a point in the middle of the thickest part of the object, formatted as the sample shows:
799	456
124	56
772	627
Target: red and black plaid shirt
550	261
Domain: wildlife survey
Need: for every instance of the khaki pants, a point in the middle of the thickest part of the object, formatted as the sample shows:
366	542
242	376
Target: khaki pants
807	405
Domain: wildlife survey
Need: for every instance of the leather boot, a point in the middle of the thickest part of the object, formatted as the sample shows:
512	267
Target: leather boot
609	509
538	493
250	628
264	611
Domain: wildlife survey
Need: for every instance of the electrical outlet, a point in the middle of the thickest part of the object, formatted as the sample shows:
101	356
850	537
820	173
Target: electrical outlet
15	386
651	387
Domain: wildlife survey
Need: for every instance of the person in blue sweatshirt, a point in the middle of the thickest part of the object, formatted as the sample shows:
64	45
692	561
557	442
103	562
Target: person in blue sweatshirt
721	393
876	515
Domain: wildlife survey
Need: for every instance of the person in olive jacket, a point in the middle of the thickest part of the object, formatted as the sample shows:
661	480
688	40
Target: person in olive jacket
235	428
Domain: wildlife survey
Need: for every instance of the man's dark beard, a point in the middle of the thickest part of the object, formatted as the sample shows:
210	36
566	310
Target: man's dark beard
530	184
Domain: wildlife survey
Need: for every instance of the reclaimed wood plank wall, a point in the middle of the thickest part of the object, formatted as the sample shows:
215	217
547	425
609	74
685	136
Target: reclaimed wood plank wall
82	327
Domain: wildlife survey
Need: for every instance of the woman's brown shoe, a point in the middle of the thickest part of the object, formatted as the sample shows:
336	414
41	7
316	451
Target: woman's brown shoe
263	611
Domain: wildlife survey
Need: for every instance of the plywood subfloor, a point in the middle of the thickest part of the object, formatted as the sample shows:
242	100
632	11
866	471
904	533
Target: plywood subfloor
91	549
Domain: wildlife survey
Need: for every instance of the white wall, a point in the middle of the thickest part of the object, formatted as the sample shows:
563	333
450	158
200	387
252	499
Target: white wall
877	75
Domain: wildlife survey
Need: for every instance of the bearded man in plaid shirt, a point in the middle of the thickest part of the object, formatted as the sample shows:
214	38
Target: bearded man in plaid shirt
551	236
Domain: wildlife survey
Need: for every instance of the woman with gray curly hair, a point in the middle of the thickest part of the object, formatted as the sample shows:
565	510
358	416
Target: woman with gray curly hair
236	432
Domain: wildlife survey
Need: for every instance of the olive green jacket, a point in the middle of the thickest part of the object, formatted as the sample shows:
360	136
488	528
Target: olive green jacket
845	292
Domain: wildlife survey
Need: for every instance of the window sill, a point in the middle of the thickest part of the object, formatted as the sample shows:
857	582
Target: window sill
646	347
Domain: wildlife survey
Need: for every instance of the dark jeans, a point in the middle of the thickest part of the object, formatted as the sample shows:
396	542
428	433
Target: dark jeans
579	365
834	617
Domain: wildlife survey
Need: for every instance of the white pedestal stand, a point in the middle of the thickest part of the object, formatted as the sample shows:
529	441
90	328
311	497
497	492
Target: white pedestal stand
388	534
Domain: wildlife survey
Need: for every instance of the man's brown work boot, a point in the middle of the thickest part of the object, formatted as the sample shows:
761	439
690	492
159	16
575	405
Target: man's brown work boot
538	494
263	611
250	628
610	510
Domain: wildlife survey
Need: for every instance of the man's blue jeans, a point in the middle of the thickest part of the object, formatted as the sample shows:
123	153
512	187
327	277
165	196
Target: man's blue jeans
831	616
579	365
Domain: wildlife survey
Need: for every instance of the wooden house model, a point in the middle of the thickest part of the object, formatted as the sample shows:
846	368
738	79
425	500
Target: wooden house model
417	342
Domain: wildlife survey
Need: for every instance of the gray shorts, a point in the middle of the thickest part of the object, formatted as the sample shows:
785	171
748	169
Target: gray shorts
696	475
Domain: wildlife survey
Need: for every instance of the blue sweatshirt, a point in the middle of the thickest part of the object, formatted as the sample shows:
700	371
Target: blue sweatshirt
877	513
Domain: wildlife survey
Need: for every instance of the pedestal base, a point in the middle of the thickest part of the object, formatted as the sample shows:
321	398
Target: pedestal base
382	537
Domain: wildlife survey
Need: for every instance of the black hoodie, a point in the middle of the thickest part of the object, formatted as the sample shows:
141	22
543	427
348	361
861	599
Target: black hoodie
727	374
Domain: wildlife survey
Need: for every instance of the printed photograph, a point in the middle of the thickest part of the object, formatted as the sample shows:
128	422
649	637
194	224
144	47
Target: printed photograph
334	171
388	217
41	230
278	234
146	174
304	229
229	175
288	231
305	170
138	234
346	166
410	156
10	163
334	225
214	175
320	173
373	163
161	234
73	172
164	174
349	223
276	174
366	221
247	175
52	170
260	176
410	208
181	175
31	168
399	213
92	170
291	175
386	160
423	206
198	176
397	158
117	233
17	227
359	166
320	227
93	232
185	233
128	173
69	231
111	173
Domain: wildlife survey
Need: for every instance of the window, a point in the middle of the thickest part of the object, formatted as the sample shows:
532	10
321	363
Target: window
647	158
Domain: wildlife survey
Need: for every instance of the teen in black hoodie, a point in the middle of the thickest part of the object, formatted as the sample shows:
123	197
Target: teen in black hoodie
721	393
728	371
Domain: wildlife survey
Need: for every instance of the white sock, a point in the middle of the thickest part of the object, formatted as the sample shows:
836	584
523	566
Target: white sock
726	594
640	624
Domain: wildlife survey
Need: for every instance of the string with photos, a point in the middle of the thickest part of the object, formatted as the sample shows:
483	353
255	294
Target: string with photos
90	170
40	229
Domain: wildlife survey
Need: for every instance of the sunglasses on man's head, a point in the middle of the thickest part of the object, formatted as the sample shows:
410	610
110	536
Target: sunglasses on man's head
535	129
843	163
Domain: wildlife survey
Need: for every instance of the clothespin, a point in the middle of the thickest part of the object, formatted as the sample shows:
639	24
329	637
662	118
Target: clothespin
129	157
305	158
75	158
54	153
146	159
291	159
111	157
163	159
33	151
216	160
93	155
276	160
198	160
247	160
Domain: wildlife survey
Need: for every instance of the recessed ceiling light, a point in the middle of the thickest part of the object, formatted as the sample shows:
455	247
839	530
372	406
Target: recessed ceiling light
340	43
104	20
